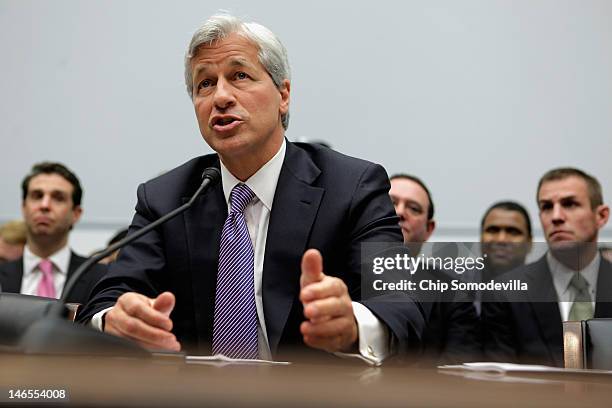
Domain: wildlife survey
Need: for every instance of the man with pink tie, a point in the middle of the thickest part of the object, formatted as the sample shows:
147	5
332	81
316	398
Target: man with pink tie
51	205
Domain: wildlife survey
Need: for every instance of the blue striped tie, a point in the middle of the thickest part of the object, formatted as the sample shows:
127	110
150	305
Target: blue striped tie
235	319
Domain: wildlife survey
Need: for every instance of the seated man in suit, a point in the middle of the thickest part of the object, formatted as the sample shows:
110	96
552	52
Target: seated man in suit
505	241
571	282
452	333
51	205
12	240
234	274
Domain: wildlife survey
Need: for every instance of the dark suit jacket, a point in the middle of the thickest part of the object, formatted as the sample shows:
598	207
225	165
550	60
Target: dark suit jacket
323	200
532	331
453	332
11	274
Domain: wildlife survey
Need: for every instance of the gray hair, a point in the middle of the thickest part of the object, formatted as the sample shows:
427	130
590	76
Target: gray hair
272	54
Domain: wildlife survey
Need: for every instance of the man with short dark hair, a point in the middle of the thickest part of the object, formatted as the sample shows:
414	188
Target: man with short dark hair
51	205
505	238
571	282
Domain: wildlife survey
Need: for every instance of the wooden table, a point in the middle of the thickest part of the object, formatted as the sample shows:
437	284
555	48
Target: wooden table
172	382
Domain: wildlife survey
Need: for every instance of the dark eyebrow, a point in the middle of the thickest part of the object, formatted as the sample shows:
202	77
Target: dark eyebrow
564	198
62	192
411	201
570	197
56	191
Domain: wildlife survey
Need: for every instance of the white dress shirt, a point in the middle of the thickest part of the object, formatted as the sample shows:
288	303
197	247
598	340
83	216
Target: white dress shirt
562	275
374	341
32	274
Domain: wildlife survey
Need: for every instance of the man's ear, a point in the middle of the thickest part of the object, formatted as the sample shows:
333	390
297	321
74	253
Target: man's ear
431	226
77	211
603	214
285	91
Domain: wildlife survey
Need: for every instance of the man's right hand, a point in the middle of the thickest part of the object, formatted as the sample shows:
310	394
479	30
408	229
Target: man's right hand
143	320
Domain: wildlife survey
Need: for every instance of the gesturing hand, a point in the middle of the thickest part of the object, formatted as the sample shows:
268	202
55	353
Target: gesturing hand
330	323
143	320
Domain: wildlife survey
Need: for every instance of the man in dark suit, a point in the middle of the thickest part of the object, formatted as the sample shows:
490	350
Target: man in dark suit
276	200
452	333
571	282
51	205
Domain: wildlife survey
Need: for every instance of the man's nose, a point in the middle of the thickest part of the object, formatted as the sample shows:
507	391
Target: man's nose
399	211
558	215
502	236
224	97
45	202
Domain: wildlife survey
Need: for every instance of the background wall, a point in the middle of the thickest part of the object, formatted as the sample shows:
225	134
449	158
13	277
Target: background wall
479	97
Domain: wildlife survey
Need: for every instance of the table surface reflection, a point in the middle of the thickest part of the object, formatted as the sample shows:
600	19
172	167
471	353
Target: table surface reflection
172	382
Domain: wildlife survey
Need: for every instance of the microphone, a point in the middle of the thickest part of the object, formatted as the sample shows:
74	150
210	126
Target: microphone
210	177
53	334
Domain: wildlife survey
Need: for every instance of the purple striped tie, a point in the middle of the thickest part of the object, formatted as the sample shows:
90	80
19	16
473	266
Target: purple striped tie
235	319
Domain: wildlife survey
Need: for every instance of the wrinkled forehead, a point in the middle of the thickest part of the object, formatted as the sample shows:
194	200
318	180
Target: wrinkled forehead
236	40
233	51
572	186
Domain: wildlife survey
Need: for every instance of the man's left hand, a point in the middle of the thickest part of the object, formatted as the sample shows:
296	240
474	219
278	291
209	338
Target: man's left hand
330	323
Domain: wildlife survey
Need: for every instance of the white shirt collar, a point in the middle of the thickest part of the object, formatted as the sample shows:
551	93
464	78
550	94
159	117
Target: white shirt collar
60	260
262	183
562	275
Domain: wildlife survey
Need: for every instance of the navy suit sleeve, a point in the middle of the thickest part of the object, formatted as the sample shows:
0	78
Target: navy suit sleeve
373	219
499	332
139	267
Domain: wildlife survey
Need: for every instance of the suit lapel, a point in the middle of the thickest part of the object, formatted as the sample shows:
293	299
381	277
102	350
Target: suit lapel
603	298
203	223
73	265
547	313
12	274
295	206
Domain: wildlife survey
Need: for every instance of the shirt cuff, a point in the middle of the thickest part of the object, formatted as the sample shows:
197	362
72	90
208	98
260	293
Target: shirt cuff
374	342
97	321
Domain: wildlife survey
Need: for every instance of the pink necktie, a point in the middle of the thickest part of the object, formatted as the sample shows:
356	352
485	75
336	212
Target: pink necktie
46	288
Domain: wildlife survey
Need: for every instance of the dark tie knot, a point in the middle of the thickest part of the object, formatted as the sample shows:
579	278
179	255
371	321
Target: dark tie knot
579	283
240	197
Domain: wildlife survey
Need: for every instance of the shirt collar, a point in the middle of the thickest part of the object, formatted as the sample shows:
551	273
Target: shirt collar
562	275
60	260
262	183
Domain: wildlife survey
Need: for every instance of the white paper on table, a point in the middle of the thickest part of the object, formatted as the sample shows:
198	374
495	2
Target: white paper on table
221	360
505	368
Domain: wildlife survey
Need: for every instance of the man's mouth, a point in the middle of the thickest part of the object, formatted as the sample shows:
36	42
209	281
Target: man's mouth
558	235
42	220
225	123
